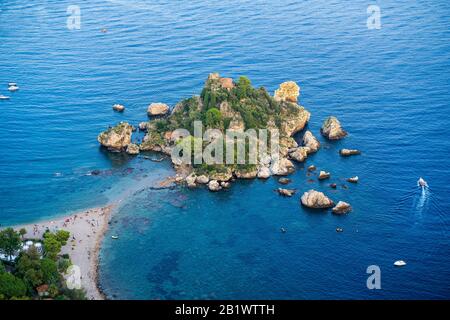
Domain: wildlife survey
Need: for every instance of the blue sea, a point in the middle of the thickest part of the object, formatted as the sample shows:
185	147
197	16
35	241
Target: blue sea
390	87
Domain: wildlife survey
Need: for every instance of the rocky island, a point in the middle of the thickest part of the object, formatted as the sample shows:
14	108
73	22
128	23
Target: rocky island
226	106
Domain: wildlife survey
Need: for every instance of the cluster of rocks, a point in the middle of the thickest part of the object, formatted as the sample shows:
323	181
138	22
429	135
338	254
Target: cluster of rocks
318	200
118	139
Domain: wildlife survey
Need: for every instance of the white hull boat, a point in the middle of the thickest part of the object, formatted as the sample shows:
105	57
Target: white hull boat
399	263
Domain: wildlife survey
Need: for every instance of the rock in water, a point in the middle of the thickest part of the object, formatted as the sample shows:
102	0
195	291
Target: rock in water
143	126
132	149
214	185
312	168
282	167
324	175
118	108
157	109
332	129
316	200
284	180
263	173
116	138
190	180
310	141
288	91
286	192
225	184
202	179
333	185
349	152
342	208
353	179
299	154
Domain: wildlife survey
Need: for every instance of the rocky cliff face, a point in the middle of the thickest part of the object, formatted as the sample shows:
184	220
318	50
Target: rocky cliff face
311	142
293	119
288	91
116	138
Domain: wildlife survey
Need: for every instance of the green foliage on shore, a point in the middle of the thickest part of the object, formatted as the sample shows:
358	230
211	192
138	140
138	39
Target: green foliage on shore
32	269
10	241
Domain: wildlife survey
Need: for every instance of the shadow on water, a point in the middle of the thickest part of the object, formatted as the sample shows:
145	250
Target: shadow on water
117	159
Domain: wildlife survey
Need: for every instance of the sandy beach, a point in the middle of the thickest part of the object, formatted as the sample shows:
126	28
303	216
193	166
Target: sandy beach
87	229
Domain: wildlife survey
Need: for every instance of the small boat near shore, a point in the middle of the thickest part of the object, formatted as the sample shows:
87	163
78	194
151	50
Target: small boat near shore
115	237
13	88
399	263
2	97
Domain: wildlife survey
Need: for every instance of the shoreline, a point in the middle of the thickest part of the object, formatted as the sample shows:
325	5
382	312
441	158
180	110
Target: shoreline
87	230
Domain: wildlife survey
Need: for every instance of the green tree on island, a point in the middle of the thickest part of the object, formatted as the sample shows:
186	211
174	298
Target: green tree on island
213	118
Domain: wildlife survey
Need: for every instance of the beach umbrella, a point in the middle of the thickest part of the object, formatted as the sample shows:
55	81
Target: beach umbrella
29	243
26	248
38	244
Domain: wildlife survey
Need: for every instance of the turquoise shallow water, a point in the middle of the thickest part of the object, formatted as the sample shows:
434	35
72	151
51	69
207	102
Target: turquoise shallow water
389	87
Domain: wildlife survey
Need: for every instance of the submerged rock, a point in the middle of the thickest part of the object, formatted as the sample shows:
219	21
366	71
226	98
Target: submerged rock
286	192
342	208
116	138
333	185
214	185
288	91
158	109
332	129
316	200
132	149
310	141
324	175
284	180
118	107
349	152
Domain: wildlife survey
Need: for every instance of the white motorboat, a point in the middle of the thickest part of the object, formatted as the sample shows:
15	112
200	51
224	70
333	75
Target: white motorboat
422	183
115	237
2	97
13	88
399	263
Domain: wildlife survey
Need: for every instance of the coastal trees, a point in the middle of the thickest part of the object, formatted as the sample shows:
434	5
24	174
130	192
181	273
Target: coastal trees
22	232
10	242
53	242
11	286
